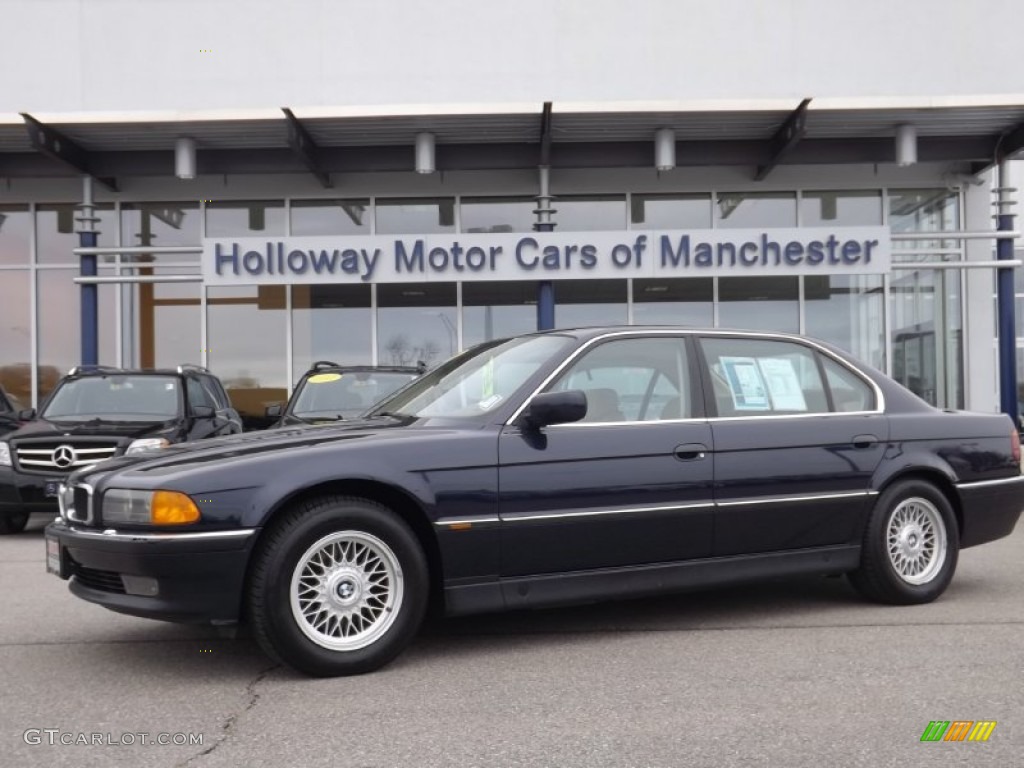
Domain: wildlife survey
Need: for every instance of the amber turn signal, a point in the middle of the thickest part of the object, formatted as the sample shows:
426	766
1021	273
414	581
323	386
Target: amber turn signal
172	508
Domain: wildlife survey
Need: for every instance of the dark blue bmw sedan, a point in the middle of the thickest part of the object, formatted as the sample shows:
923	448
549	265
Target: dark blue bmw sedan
547	469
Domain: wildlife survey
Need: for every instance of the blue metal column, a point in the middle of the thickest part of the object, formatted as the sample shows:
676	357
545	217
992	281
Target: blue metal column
87	238
545	288
1005	300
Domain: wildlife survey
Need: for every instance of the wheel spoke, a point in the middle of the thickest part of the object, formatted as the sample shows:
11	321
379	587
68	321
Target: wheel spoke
346	589
916	541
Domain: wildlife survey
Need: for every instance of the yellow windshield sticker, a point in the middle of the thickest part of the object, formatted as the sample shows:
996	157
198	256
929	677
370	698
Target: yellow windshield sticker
323	378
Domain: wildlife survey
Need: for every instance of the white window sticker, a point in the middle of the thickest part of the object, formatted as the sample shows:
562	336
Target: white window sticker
783	384
745	383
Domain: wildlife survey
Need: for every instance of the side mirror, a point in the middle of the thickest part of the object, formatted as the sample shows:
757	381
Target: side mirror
26	414
555	408
202	412
273	411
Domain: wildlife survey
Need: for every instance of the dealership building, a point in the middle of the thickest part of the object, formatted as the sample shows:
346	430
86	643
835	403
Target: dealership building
395	182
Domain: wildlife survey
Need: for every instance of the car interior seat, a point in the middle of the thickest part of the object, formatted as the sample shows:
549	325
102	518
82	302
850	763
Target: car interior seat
603	405
673	409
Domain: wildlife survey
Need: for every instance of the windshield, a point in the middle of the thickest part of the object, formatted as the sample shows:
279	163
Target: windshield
478	380
330	395
116	397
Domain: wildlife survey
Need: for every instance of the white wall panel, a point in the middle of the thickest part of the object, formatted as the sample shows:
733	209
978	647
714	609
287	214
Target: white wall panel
108	55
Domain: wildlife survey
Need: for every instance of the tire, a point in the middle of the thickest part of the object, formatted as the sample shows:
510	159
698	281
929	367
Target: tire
910	546
327	618
13	523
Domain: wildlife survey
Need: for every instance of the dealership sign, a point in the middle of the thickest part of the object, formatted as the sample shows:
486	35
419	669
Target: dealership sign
545	255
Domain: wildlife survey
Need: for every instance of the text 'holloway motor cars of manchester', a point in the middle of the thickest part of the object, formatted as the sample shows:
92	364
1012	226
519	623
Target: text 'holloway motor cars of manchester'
547	469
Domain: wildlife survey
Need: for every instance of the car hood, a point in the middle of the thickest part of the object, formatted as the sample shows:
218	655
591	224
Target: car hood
45	428
249	445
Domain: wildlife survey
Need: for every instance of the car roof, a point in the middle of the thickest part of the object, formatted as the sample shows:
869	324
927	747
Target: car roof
105	370
327	367
593	331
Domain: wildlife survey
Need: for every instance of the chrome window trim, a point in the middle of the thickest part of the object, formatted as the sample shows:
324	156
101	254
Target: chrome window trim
985	483
696	333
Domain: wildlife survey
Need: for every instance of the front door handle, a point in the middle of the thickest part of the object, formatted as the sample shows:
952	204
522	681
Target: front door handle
690	451
864	441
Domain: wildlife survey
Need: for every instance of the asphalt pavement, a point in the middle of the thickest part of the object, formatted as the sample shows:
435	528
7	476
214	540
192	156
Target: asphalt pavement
795	672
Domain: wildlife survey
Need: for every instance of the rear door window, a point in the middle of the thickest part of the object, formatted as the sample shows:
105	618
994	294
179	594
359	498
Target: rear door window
764	377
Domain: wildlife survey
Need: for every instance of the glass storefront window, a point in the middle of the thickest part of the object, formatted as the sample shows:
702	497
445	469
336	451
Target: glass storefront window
736	210
160	224
162	321
60	345
416	322
674	301
496	310
57	235
247	218
581	213
330	322
330	217
759	303
846	310
579	303
415	216
247	341
16	335
924	210
670	211
847	208
927	335
16	234
497	214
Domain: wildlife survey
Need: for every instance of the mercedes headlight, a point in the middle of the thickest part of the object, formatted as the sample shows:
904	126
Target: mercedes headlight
148	507
5	455
146	444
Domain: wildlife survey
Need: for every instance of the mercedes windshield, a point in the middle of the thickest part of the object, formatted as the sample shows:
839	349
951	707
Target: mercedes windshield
115	397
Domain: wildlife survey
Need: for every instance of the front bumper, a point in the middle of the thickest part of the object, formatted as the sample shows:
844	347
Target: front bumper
25	493
991	509
185	577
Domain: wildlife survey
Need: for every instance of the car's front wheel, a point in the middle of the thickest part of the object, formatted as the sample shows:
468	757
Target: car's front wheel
338	587
910	546
13	523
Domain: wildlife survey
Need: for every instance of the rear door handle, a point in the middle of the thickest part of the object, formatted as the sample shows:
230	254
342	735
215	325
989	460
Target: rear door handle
690	451
864	441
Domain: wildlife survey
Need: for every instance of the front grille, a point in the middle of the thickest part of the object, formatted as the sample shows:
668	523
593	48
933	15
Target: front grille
103	581
53	457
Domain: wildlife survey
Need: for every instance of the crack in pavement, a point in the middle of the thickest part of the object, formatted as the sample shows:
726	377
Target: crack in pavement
229	722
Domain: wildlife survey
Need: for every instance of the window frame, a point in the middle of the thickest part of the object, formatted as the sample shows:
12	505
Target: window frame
692	371
818	354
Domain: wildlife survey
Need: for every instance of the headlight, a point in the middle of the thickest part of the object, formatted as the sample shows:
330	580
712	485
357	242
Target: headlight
146	444
149	507
5	455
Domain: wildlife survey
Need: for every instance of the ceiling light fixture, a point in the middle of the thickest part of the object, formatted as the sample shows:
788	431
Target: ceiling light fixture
185	158
665	149
906	144
425	153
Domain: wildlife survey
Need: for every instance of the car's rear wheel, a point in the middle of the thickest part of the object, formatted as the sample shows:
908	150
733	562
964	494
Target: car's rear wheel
910	546
338	587
13	523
